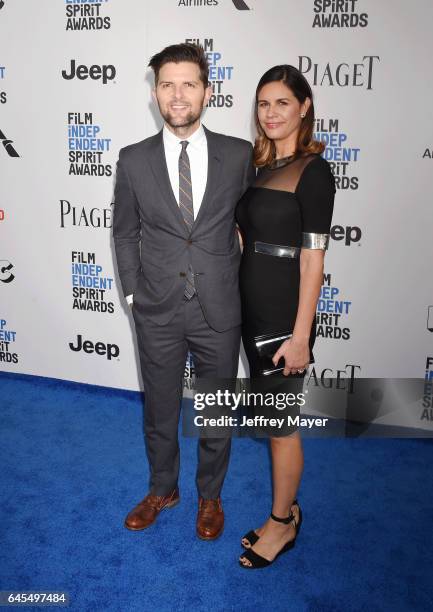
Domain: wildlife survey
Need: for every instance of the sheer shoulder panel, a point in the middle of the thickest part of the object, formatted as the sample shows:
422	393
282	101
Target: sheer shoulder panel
283	178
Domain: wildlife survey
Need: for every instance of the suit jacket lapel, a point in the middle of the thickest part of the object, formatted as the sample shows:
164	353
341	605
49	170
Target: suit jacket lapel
213	174
160	170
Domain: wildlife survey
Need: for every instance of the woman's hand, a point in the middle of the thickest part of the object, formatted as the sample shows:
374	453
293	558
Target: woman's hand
296	356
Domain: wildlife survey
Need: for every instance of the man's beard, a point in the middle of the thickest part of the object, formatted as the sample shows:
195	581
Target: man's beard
176	122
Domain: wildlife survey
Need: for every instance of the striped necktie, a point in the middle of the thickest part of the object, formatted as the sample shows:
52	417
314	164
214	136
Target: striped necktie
185	204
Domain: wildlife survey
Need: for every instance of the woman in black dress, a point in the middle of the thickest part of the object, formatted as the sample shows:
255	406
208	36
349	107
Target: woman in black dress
284	220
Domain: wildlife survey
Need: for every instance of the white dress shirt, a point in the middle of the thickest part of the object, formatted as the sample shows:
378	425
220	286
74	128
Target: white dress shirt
198	161
197	153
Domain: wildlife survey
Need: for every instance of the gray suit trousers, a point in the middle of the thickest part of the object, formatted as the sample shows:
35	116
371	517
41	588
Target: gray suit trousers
163	350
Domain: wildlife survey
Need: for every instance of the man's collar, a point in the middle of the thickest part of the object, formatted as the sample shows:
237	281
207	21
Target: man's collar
172	141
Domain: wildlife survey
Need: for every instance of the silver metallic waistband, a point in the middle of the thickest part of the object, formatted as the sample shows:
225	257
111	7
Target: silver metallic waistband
277	250
310	240
315	241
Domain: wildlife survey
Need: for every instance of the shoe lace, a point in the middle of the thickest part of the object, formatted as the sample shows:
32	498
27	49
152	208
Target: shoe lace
152	500
209	506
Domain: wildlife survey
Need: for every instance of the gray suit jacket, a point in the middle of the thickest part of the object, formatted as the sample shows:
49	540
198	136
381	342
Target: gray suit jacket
154	245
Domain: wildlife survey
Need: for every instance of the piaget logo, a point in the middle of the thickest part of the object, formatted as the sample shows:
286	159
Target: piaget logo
333	378
344	74
85	217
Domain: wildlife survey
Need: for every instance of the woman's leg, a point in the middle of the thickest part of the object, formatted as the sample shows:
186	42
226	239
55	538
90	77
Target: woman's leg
287	466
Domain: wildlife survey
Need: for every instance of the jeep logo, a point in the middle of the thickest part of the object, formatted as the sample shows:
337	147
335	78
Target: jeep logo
95	72
349	233
110	350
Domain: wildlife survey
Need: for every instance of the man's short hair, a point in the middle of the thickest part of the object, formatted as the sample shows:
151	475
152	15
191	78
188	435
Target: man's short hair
183	52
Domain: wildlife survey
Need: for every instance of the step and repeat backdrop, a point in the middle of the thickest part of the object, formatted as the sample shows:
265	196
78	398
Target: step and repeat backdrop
75	88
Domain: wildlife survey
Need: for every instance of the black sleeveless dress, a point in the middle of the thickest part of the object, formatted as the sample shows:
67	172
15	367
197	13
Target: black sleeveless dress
291	205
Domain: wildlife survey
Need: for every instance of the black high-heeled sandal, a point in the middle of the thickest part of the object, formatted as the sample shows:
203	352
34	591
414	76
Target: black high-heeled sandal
257	561
252	537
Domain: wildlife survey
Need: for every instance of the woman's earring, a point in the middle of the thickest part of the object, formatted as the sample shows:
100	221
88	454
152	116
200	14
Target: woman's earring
302	115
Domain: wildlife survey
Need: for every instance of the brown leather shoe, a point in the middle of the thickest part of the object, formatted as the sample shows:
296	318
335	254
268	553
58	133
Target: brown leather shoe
144	514
210	518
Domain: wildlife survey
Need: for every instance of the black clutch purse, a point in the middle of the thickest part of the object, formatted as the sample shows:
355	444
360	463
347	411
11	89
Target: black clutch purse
266	346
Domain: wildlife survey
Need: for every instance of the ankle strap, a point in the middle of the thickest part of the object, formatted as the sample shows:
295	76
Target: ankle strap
285	520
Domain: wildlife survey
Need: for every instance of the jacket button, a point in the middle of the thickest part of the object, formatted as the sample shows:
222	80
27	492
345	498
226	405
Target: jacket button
182	273
189	241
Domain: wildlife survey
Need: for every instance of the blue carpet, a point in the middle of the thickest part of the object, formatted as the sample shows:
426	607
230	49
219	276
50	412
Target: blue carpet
73	464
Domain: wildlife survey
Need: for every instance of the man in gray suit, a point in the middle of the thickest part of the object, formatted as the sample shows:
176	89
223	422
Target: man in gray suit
175	197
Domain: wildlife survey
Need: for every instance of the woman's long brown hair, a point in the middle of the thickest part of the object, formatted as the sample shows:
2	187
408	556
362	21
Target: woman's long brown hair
264	147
